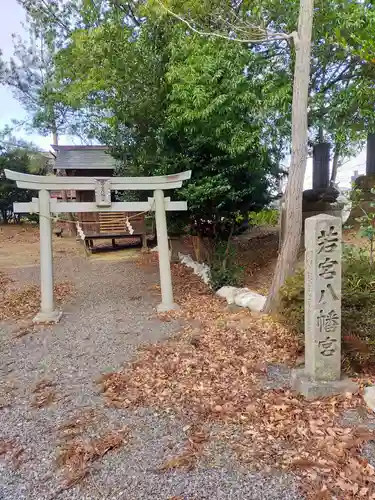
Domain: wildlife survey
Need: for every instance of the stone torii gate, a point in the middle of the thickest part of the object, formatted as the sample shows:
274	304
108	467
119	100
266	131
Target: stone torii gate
44	205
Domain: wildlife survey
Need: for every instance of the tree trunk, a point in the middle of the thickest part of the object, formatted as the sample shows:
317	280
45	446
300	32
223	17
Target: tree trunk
55	138
293	197
335	165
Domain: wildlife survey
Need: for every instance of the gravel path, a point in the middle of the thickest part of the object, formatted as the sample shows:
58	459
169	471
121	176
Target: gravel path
111	314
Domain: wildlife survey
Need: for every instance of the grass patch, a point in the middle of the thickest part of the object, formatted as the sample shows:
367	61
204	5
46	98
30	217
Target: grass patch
358	309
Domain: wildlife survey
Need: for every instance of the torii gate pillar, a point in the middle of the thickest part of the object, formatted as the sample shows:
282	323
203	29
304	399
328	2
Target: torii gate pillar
167	303
47	313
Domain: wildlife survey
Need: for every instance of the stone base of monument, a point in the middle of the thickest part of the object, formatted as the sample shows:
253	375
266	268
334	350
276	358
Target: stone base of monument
52	317
369	397
312	208
162	308
313	389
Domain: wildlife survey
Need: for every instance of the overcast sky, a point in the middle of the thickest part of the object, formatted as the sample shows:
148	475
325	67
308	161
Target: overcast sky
11	17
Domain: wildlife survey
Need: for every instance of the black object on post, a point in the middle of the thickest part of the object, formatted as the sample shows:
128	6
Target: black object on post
370	159
321	165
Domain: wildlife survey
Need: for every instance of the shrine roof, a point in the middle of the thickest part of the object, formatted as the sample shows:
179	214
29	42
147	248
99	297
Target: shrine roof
72	157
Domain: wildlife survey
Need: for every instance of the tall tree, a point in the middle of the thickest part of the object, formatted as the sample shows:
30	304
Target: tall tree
341	92
337	75
293	198
258	33
19	156
170	102
30	74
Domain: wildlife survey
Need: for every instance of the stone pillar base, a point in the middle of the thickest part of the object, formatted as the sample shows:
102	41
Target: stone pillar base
313	389
310	209
162	308
173	250
52	317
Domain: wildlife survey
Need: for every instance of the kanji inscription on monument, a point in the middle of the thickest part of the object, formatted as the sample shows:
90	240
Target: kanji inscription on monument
323	298
321	375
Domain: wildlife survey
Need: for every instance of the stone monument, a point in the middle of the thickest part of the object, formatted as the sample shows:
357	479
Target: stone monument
322	198
321	155
322	373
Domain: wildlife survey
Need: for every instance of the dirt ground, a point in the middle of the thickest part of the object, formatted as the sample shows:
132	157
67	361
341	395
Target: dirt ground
19	246
59	438
192	406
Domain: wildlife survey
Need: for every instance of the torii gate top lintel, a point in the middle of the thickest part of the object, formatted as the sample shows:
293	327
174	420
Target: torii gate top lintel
51	183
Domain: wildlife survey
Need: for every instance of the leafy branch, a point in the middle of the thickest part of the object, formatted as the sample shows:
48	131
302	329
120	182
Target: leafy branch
260	35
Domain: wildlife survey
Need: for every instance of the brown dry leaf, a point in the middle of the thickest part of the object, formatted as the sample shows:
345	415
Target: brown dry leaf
185	460
154	287
301	463
165	318
23	331
77	424
25	302
17	457
5	280
218	380
197	436
42	384
6	445
44	398
13	450
44	394
76	456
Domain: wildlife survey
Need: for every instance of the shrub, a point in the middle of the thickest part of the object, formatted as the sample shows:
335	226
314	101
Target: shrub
33	218
366	221
266	217
224	267
358	308
177	225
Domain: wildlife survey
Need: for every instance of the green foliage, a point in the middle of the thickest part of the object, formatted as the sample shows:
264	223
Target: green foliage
9	193
224	268
177	225
209	118
366	221
342	95
166	99
33	218
165	102
358	307
30	74
266	217
20	157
